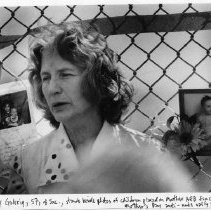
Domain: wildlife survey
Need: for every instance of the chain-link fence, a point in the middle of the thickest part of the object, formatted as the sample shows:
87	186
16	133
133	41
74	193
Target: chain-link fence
143	37
161	49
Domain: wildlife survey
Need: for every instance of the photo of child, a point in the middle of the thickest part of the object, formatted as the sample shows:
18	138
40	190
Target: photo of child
17	125
195	106
204	117
14	110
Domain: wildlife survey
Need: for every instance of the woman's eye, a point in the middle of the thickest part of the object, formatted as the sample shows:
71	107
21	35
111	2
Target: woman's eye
45	78
64	75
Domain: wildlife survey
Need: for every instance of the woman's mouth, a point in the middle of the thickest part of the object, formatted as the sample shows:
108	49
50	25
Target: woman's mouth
59	106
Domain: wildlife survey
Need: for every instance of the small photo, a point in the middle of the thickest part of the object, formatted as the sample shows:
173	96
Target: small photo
196	105
14	110
194	101
17	126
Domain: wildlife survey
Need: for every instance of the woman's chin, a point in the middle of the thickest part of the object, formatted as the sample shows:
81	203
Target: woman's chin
62	118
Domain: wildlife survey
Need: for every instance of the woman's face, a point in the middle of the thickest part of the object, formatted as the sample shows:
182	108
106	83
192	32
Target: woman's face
207	107
61	86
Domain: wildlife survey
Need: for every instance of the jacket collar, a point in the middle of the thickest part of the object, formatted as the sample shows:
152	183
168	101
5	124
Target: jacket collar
108	136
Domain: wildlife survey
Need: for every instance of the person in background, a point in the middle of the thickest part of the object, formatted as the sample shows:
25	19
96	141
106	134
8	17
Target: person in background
83	94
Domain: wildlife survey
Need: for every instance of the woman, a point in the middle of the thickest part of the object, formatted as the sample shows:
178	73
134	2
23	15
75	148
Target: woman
79	87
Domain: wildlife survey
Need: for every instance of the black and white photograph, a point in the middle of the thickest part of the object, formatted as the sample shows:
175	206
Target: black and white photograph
195	102
14	110
103	80
17	127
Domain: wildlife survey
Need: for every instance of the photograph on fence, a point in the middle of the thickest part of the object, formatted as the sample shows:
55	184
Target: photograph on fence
14	110
16	119
196	105
15	105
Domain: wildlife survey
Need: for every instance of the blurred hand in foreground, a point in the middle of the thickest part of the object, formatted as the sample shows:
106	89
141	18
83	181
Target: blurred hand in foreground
127	170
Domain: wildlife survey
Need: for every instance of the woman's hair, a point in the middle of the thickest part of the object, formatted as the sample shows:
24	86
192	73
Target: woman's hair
83	46
204	99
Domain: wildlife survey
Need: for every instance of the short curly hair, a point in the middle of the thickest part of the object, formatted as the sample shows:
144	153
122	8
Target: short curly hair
204	99
83	46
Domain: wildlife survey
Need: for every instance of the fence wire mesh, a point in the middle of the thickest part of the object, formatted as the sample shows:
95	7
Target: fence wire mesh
12	18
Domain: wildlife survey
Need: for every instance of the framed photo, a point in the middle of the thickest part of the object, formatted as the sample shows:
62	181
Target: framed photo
190	105
17	126
14	110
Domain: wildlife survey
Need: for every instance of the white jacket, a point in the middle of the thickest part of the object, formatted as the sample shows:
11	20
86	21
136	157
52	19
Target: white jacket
52	159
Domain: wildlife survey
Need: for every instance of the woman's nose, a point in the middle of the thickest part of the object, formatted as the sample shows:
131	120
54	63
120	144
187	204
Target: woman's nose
54	87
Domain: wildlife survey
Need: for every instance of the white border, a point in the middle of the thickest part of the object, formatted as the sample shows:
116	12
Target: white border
13	3
112	201
93	2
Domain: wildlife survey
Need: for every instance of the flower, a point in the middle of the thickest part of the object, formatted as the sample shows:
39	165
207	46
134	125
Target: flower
188	137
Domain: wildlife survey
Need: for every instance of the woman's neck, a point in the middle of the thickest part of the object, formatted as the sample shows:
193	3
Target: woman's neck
82	131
